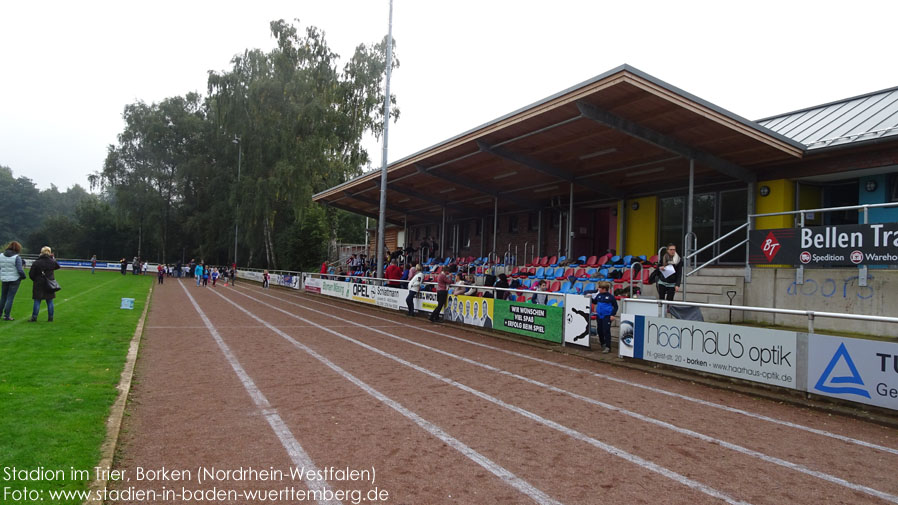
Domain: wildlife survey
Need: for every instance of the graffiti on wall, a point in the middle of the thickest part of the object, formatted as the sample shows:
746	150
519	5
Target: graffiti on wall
847	288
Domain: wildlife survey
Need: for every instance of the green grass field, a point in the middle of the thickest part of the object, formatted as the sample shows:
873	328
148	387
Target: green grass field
58	380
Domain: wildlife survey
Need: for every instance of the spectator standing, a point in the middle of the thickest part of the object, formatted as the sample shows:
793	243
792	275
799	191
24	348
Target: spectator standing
393	273
214	276
606	308
414	287
671	270
265	277
42	271
206	273
93	263
442	294
160	273
12	271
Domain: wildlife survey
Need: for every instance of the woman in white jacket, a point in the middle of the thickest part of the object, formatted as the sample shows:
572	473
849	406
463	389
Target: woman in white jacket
414	286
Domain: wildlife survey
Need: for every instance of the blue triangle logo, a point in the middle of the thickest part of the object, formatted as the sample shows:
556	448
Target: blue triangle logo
855	378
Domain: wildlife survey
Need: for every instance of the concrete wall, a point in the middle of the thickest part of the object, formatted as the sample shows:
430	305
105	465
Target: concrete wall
825	290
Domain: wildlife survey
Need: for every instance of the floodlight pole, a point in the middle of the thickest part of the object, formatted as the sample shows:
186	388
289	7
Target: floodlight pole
383	161
237	207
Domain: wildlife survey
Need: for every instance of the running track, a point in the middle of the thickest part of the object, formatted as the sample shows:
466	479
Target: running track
240	377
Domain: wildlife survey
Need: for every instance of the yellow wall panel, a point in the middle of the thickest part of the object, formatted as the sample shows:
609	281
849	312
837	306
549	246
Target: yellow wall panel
780	199
642	227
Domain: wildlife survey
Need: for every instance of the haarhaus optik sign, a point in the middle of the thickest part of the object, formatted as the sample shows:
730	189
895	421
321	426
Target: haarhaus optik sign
826	246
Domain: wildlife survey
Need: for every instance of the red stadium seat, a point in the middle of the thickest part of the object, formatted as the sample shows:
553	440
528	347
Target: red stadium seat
592	261
601	262
553	260
555	286
544	262
567	273
533	262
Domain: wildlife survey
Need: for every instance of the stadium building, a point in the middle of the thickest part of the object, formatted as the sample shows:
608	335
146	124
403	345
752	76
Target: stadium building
609	164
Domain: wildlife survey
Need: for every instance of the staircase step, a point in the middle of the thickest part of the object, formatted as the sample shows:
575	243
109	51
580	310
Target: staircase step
721	271
715	280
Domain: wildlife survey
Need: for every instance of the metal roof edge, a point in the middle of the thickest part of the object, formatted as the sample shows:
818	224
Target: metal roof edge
720	110
347	183
834	102
852	145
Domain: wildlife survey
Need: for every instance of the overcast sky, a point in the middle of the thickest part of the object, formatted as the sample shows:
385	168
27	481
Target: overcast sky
69	68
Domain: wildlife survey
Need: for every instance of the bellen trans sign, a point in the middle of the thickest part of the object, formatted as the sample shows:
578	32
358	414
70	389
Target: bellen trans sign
826	246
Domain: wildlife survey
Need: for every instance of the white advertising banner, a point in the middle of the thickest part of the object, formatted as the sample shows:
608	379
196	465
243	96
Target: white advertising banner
312	284
285	280
755	354
864	371
337	289
629	311
576	320
390	298
426	301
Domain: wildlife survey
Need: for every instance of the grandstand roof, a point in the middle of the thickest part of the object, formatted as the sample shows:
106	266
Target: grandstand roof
620	134
860	119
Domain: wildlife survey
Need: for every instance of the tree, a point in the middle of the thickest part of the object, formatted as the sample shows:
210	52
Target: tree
20	206
300	123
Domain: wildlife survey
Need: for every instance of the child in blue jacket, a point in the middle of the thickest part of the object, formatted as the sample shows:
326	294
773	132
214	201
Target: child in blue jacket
606	308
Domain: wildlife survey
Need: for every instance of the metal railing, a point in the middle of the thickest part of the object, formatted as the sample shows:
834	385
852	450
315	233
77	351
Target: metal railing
810	314
690	253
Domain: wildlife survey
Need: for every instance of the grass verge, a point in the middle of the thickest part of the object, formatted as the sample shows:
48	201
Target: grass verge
58	380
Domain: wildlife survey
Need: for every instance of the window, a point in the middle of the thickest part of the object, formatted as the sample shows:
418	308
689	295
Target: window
512	224
465	236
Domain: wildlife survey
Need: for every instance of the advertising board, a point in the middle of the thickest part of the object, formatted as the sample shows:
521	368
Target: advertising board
826	246
576	320
864	371
472	310
754	354
312	284
530	320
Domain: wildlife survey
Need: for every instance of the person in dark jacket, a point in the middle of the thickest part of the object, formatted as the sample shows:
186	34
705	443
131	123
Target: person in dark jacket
502	283
12	271
41	271
671	271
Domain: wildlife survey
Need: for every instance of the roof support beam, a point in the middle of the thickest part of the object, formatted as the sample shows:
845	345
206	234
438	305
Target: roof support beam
665	142
421	196
375	202
547	169
473	186
357	211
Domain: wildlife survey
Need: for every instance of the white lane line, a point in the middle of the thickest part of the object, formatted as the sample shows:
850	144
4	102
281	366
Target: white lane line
683	431
297	454
507	476
632	458
734	410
